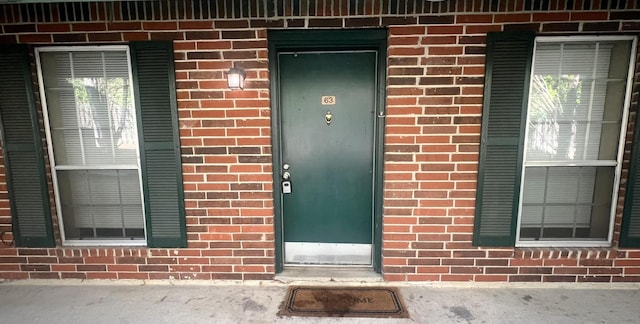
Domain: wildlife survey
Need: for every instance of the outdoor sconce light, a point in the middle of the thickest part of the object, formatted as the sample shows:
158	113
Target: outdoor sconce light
235	78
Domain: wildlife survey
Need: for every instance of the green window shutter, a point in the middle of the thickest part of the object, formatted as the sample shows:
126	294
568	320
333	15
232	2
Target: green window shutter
156	107
23	153
508	69
630	235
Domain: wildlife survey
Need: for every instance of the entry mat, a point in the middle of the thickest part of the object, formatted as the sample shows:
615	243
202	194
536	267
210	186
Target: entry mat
380	302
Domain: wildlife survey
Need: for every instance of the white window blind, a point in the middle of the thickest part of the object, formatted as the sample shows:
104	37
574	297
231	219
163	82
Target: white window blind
93	138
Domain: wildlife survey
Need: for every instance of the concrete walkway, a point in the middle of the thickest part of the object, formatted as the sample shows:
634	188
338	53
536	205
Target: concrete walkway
257	302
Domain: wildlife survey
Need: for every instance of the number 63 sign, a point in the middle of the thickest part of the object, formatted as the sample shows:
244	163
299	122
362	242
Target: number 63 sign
328	100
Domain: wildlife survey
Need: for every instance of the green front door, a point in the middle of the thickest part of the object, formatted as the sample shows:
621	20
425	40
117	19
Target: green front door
327	111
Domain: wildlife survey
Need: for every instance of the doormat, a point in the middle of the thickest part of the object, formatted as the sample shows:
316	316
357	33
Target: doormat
380	302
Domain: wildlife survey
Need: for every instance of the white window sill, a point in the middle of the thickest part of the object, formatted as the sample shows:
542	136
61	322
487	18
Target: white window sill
563	244
101	243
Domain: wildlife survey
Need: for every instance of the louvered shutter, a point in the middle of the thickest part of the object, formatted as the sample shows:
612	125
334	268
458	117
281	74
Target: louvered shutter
630	235
22	149
155	92
508	69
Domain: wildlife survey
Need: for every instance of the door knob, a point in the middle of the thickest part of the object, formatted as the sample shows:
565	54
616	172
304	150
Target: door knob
286	175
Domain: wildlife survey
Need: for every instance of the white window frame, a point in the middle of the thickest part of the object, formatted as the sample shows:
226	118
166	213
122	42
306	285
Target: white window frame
50	148
621	143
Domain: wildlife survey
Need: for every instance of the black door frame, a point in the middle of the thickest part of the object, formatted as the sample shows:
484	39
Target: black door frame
326	40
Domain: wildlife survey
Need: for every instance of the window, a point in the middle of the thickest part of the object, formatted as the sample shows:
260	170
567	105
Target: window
91	131
553	131
112	134
576	111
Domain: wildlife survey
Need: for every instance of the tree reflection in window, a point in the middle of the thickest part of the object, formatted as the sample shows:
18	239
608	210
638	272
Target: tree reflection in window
104	107
552	116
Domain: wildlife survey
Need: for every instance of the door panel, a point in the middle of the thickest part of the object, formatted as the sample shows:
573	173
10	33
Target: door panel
331	163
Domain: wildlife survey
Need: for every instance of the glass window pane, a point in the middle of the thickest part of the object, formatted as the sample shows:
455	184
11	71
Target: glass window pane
96	146
532	216
101	203
87	65
562	185
116	65
94	100
534	186
578	58
559	216
572	96
546	58
56	70
66	146
63	102
576	203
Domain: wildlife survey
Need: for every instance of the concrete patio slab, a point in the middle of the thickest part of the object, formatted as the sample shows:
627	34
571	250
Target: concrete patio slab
64	301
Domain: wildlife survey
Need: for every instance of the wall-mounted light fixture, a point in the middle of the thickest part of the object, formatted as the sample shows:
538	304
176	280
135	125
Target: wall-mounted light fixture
235	78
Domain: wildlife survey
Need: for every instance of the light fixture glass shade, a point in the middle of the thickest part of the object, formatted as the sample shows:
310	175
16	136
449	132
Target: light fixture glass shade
235	78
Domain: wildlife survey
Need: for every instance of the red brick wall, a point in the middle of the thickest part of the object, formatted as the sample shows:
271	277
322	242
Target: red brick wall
434	111
435	85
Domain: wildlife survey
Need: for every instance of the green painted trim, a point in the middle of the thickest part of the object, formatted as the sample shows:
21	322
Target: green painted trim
287	40
378	197
276	139
492	37
171	75
175	145
625	239
276	156
20	241
322	38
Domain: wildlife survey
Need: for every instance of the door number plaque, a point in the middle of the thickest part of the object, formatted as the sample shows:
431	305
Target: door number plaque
328	100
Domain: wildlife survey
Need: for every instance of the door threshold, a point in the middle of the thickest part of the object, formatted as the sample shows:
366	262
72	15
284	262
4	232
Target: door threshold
328	274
